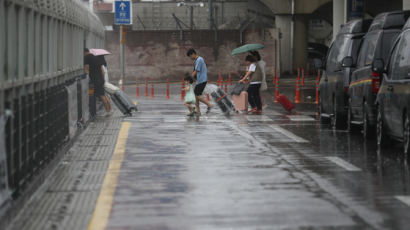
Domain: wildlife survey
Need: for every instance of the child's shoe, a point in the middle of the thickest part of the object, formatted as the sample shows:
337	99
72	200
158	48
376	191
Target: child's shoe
208	110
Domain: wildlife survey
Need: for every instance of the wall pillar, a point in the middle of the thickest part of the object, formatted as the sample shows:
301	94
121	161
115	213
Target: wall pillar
339	15
299	57
406	4
300	42
283	24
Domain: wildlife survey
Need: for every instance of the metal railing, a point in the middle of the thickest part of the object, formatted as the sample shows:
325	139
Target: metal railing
39	127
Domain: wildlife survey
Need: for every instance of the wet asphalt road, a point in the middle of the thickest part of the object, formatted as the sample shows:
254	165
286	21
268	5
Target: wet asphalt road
275	171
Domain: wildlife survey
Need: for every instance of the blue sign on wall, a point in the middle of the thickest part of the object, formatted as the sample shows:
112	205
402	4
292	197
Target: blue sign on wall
123	13
356	9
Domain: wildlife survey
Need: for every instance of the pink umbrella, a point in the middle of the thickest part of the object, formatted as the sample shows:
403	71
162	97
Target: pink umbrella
99	52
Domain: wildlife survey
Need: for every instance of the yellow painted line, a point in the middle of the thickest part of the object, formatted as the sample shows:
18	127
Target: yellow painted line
105	200
361	82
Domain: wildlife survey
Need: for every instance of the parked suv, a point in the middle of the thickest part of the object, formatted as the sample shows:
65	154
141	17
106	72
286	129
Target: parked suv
365	82
393	99
335	80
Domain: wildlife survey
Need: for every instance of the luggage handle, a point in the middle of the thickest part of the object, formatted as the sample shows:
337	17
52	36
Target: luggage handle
220	98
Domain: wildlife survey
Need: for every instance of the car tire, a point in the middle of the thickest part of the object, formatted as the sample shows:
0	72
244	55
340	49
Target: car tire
336	120
406	135
350	127
382	137
322	119
366	129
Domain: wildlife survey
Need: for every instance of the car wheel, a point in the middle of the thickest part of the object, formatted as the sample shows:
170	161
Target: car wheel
336	120
350	127
382	138
406	135
320	111
367	129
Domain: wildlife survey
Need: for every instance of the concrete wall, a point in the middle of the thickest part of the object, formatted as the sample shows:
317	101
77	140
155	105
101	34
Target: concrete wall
227	15
161	55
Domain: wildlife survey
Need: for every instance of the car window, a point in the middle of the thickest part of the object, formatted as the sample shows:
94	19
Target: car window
368	50
400	65
339	50
388	41
355	48
392	60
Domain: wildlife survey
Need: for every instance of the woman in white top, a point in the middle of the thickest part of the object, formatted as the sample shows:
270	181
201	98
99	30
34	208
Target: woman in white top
262	65
254	75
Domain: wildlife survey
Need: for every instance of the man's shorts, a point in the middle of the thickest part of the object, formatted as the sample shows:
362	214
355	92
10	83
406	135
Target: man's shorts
99	90
199	89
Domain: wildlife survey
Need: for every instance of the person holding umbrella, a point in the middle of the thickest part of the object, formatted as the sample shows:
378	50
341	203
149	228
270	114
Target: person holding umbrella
100	53
255	72
262	65
254	76
93	66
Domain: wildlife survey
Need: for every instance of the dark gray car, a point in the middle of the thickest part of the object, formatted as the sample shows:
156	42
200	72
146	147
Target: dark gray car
365	82
335	80
393	99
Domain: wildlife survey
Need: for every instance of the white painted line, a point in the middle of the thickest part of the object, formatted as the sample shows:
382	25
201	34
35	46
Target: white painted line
172	120
273	113
288	134
404	199
344	164
258	118
300	118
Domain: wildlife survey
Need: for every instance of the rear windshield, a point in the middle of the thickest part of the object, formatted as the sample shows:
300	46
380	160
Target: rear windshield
399	66
368	49
339	50
355	48
388	40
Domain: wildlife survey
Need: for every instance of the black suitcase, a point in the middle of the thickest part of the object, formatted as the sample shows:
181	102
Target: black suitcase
222	101
123	103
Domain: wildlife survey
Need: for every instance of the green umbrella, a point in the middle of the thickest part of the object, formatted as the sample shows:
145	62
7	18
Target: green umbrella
247	48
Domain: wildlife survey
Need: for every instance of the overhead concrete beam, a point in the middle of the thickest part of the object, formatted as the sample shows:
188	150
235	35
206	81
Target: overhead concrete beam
309	6
301	6
293	48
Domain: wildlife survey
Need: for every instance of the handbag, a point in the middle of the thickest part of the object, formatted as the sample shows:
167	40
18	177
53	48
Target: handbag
110	88
238	88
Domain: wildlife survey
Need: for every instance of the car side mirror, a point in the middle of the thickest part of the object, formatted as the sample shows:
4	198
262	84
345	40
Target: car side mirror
347	62
318	63
378	65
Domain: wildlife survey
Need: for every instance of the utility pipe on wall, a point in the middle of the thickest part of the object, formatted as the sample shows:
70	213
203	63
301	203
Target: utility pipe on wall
191	17
211	18
292	34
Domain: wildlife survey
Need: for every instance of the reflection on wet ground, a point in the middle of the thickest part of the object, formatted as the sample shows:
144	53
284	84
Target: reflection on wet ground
275	171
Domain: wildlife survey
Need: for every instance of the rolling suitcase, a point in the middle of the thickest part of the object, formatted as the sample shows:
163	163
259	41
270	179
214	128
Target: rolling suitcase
123	103
222	100
285	102
241	101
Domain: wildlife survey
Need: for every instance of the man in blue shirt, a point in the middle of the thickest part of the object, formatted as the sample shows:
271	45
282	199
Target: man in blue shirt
200	74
